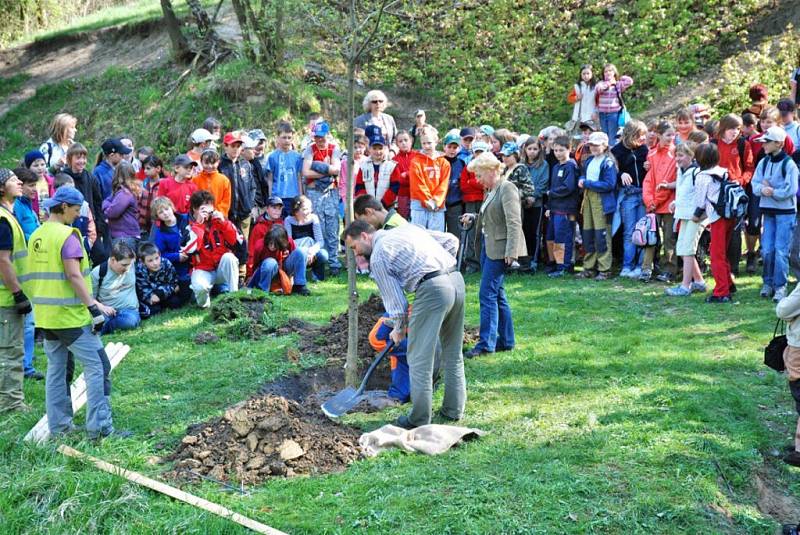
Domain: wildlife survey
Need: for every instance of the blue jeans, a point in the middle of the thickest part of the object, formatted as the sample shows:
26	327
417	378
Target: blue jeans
425	218
294	265
320	259
28	342
126	319
497	327
561	239
609	123
326	206
632	210
775	240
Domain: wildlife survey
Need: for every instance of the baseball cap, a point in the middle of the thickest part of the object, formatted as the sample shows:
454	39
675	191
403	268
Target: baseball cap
786	105
773	133
452	137
233	137
114	146
64	194
419	112
5	174
274	201
509	148
486	129
184	161
257	134
598	138
588	124
376	139
201	135
248	142
322	129
481	146
467	132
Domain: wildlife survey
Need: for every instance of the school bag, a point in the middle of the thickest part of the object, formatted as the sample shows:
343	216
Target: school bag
645	233
732	200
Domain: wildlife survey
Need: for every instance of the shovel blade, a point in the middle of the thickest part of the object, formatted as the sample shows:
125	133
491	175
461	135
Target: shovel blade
341	403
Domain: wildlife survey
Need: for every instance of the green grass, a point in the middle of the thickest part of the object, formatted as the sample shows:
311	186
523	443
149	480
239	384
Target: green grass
12	83
619	411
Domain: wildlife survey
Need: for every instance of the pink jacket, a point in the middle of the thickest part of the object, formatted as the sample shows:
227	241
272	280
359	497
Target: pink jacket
607	98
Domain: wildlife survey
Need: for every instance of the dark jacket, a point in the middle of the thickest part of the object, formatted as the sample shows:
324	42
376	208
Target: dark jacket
243	187
260	181
563	195
91	194
457	165
170	240
161	283
630	161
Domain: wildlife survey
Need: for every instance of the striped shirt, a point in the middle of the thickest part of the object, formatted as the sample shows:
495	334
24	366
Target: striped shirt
608	101
401	257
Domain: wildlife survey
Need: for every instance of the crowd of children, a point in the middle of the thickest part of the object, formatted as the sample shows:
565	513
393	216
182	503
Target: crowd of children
164	232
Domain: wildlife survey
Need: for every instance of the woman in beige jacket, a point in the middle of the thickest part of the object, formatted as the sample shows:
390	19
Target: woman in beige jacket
788	310
500	223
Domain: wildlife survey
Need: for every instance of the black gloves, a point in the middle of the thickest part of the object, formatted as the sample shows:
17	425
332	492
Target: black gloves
21	303
97	319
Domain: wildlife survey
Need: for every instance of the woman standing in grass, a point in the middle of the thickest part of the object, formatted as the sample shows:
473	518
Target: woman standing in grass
500	224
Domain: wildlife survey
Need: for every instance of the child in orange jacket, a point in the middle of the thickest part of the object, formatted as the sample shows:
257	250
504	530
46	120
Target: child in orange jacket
211	180
428	180
658	192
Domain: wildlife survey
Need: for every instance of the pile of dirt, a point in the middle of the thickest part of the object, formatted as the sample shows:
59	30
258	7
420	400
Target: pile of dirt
265	437
249	314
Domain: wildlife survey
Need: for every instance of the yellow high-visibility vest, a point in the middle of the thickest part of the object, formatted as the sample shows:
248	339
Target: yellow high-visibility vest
19	256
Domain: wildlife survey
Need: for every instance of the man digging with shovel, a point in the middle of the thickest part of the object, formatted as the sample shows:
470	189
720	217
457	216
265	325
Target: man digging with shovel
414	260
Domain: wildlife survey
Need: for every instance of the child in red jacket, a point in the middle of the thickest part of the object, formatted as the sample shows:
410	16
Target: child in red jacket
658	192
403	159
276	252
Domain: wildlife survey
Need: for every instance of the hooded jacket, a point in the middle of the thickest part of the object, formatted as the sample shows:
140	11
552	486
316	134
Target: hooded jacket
429	178
662	169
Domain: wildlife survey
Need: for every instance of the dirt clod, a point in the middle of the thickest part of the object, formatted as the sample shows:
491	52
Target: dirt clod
284	438
206	337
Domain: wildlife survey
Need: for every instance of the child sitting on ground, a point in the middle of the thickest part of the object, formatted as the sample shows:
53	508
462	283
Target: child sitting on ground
170	233
156	282
114	284
277	251
562	207
688	231
304	228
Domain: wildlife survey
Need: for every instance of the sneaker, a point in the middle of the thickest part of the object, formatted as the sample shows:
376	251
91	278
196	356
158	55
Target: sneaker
780	293
664	277
699	287
36	376
678	291
732	288
636	273
602	276
625	273
445	417
766	291
403	422
475	352
792	458
514	266
114	433
750	268
718	299
301	289
646	275
586	274
335	272
557	273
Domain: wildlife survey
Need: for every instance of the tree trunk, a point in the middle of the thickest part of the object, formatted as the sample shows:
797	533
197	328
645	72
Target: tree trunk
351	367
180	47
247	35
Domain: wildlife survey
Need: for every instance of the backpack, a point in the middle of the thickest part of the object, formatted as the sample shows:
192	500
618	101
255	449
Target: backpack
645	233
732	200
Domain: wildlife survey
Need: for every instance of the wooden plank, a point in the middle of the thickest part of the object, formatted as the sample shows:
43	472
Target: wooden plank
173	492
40	432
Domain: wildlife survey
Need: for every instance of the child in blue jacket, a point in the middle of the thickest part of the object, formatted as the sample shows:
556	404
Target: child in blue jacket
598	180
400	389
562	207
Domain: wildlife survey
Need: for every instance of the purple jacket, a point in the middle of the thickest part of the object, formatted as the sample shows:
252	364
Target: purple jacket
122	211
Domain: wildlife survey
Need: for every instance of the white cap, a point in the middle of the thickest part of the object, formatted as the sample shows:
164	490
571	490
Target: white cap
598	138
201	135
773	133
248	142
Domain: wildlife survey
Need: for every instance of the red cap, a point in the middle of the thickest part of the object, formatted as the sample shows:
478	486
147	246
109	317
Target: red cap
232	137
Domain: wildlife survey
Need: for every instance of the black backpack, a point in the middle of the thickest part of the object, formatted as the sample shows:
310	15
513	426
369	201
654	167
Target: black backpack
732	200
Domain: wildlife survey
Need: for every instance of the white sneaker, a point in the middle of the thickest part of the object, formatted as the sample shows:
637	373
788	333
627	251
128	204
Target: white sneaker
636	273
780	293
625	273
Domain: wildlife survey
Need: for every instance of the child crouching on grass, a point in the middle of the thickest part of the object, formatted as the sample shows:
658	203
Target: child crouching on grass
688	231
157	282
277	252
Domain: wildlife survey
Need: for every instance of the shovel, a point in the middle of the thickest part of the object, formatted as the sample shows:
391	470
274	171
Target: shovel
465	228
348	398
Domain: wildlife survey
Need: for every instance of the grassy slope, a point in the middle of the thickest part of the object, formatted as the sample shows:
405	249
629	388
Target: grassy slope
133	102
620	411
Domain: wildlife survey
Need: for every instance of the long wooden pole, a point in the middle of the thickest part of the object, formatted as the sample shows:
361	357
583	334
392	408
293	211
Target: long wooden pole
173	492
